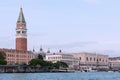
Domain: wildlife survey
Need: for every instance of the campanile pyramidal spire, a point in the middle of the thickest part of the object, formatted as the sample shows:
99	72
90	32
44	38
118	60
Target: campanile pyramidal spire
21	32
21	16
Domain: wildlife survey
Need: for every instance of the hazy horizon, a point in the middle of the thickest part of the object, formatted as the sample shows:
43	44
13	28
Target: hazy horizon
69	25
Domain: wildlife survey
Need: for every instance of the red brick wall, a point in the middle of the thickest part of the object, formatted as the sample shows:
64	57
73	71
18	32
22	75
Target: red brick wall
21	24
21	44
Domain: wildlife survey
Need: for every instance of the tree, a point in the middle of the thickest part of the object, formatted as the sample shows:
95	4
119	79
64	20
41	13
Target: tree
56	65
3	62
2	55
63	64
34	62
2	58
40	57
42	63
59	64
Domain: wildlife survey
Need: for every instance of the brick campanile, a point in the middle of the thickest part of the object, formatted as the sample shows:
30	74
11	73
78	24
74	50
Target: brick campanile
21	32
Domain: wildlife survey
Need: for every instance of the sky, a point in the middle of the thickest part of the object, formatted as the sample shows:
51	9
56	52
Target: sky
69	25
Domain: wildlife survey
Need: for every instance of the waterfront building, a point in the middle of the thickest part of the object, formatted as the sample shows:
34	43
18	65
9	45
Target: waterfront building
14	56
64	57
91	60
20	55
114	63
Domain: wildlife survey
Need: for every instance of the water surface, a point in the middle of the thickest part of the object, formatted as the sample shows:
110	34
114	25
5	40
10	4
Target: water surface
61	76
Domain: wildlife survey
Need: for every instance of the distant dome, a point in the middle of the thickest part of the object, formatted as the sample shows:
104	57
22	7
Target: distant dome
48	51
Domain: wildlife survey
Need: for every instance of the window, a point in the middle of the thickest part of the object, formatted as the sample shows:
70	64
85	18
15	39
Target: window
103	60
90	59
18	32
80	58
23	32
94	59
86	58
100	59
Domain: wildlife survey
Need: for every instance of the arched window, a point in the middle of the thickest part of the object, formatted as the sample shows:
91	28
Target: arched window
94	59
86	58
90	59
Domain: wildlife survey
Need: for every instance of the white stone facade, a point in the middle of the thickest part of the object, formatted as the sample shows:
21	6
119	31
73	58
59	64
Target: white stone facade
91	60
21	32
114	63
67	58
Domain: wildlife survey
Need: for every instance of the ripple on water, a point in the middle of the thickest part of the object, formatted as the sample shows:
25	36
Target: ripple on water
61	76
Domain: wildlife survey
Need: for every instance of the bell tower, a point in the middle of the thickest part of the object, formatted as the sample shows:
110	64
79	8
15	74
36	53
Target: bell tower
21	32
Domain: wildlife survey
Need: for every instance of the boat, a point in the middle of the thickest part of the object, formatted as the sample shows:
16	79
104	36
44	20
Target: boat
89	70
